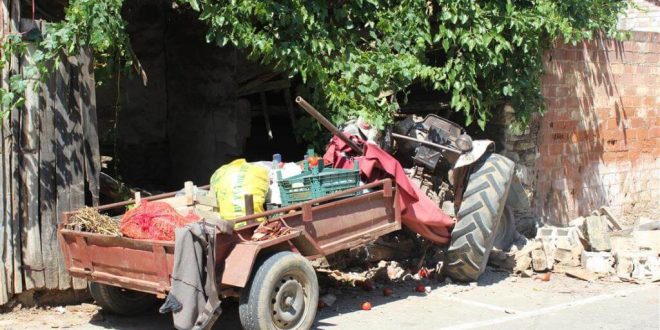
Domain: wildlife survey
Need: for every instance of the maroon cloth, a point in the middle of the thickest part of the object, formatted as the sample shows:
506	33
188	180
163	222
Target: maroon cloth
418	212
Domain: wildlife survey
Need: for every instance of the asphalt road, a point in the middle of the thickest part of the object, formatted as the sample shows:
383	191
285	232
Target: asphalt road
497	301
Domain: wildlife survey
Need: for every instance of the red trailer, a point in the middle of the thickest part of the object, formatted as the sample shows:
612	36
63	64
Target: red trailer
269	276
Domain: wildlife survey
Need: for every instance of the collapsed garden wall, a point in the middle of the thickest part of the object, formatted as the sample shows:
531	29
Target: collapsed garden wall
597	144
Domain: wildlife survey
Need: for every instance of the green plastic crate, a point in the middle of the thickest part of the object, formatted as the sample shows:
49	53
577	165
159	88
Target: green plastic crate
317	182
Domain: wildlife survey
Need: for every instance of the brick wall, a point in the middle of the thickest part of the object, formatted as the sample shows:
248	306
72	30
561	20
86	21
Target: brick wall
598	141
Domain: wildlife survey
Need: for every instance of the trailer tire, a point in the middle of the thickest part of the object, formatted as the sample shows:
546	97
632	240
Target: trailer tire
479	217
282	294
121	301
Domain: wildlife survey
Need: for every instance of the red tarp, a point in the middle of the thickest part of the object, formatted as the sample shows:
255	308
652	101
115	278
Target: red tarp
418	212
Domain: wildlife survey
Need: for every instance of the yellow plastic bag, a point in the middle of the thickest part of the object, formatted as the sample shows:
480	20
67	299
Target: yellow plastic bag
233	181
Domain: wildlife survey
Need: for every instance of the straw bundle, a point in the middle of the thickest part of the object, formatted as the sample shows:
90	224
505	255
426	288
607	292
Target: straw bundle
90	220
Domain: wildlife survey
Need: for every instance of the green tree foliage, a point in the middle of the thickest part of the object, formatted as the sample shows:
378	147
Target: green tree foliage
360	56
96	24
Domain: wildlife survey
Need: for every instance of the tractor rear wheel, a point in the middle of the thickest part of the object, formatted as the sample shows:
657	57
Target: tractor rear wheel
479	217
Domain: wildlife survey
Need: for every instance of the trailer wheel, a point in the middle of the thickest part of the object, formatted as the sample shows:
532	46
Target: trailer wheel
282	294
121	301
479	217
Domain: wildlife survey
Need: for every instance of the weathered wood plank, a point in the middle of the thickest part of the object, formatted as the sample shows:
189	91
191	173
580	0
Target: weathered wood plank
5	292
14	69
6	288
29	199
48	184
76	165
63	150
90	125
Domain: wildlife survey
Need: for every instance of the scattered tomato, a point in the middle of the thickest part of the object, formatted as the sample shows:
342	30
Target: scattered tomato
366	306
423	272
313	161
387	292
420	288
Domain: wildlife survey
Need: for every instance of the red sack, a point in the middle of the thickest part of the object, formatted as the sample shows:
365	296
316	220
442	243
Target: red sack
418	212
153	220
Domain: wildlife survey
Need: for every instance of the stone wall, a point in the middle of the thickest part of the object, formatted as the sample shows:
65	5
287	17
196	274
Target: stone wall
644	17
597	144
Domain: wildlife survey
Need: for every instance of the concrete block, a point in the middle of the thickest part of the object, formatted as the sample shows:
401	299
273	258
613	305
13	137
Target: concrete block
539	261
638	265
528	248
623	243
568	255
522	263
598	234
647	268
648	240
565	235
624	265
597	262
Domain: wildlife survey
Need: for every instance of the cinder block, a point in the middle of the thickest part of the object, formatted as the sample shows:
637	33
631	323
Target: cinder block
597	262
638	265
566	235
539	261
598	234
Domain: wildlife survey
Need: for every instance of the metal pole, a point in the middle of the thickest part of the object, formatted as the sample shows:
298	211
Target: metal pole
327	124
431	144
249	204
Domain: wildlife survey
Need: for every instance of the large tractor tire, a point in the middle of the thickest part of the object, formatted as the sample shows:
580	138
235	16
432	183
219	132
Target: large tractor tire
478	219
506	233
282	294
122	301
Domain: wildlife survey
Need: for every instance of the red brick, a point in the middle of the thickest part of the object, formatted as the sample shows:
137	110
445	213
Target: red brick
549	162
630	101
654	132
649	101
612	124
555	149
630	68
636	122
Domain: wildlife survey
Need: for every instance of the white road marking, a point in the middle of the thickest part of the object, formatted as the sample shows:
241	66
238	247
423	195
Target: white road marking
545	310
483	305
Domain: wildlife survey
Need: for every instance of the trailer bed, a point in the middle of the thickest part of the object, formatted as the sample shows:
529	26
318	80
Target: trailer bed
318	227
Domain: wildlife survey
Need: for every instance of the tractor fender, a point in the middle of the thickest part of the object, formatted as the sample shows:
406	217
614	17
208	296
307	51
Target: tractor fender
479	148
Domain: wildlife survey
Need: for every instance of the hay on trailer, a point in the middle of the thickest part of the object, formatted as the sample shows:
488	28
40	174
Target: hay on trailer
90	220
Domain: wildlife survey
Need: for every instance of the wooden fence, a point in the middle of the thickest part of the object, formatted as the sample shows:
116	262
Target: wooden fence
50	164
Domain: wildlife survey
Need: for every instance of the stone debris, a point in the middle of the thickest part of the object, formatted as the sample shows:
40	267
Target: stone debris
591	247
648	240
597	262
642	265
598	233
522	264
612	223
644	223
581	274
540	262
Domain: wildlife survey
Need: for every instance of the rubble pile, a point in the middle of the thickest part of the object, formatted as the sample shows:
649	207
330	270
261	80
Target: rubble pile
590	248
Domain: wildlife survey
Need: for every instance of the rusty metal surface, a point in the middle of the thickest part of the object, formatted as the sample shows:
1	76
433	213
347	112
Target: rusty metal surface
328	125
318	227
